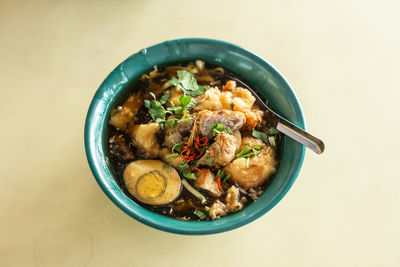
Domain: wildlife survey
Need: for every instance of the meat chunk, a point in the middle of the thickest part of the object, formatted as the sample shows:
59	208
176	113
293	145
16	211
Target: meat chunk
238	136
251	142
226	100
243	99
232	98
232	120
217	210
144	136
260	168
253	118
222	150
209	184
229	86
123	115
232	199
210	100
175	135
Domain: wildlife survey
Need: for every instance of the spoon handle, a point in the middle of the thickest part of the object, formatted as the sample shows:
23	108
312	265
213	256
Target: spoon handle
300	136
287	127
294	132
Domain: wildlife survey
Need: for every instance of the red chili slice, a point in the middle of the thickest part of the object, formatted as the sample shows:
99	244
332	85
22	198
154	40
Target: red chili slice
202	141
187	153
185	145
196	145
219	183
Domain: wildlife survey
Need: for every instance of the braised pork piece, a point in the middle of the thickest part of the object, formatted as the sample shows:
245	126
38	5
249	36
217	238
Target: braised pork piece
190	142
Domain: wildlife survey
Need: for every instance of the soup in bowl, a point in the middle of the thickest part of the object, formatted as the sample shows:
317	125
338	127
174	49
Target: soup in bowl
176	139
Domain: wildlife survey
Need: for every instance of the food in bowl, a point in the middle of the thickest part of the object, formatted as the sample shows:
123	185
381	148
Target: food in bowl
190	142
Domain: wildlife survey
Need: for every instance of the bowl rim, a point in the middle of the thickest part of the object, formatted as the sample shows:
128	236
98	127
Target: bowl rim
173	228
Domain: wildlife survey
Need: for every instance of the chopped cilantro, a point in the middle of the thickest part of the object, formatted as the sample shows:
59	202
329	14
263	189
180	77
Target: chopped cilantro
177	147
158	112
189	175
220	174
227	177
175	110
169	156
156	109
183	166
273	130
167	166
260	135
164	99
200	214
183	169
245	153
171	123
224	177
218	128
208	160
187	83
186	102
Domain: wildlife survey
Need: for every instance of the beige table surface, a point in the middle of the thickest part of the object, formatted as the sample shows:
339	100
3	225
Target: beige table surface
342	58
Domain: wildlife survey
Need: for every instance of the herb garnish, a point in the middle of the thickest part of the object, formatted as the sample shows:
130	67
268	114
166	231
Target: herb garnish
158	112
189	175
183	166
208	160
177	147
224	177
183	169
273	130
187	83
227	177
167	166
200	214
218	128
169	156
156	109
186	102
260	135
245	153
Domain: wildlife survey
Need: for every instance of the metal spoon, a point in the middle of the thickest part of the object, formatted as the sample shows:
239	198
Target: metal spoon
289	128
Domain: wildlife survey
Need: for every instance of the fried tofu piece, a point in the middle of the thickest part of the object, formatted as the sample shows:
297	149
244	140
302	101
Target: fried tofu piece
209	184
260	168
223	150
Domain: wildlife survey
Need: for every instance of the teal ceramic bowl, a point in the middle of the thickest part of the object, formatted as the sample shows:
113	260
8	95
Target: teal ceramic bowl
257	72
